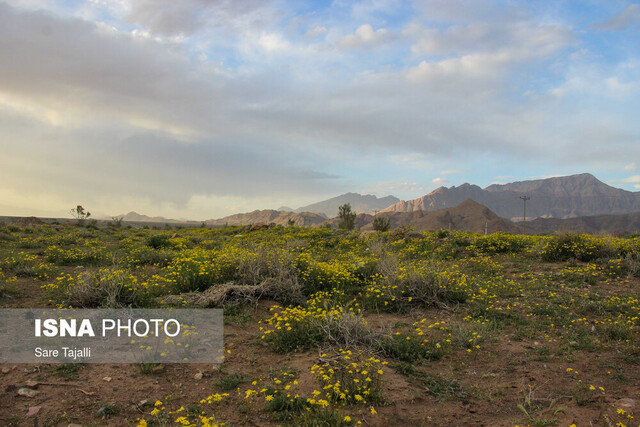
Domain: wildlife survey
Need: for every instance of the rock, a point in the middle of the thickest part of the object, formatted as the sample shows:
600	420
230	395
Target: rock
107	379
198	376
27	392
6	370
31	383
33	411
258	226
627	404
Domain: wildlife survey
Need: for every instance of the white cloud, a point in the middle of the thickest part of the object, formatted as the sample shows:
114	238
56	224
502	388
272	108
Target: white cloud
272	42
440	181
540	39
412	160
484	50
397	189
620	88
366	37
469	66
558	91
634	179
631	167
315	32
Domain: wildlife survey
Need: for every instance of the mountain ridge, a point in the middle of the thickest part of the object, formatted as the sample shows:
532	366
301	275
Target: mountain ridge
268	216
556	197
360	203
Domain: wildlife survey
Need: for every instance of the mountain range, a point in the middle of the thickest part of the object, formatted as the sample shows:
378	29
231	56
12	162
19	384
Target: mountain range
367	204
561	197
572	203
268	216
136	217
468	216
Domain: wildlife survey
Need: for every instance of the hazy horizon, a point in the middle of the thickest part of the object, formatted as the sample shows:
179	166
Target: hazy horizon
202	109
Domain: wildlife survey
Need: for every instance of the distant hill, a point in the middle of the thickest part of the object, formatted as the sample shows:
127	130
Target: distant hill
361	222
268	216
561	197
136	217
612	224
360	204
467	216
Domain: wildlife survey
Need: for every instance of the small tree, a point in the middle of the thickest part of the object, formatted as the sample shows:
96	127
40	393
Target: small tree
80	214
381	223
116	221
347	218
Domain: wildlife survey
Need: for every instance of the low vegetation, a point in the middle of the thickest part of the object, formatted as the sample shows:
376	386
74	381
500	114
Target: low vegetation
368	309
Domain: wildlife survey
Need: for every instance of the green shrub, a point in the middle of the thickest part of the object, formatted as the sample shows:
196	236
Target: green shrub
582	247
408	348
159	241
381	223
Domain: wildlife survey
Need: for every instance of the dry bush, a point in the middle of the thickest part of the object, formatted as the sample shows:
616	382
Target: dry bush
344	329
284	289
263	263
377	247
421	281
631	264
104	288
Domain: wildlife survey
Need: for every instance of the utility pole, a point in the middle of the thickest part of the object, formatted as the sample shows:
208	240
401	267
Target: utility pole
524	216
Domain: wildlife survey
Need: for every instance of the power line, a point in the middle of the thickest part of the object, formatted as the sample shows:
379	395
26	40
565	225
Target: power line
524	216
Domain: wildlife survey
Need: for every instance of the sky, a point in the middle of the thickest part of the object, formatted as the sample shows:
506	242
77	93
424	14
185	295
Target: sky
204	108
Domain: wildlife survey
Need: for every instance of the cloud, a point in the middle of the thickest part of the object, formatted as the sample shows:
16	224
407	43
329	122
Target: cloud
462	10
538	39
192	105
73	68
631	167
412	160
440	181
273	42
628	18
617	87
366	37
454	171
634	179
316	31
149	169
397	188
484	50
185	17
